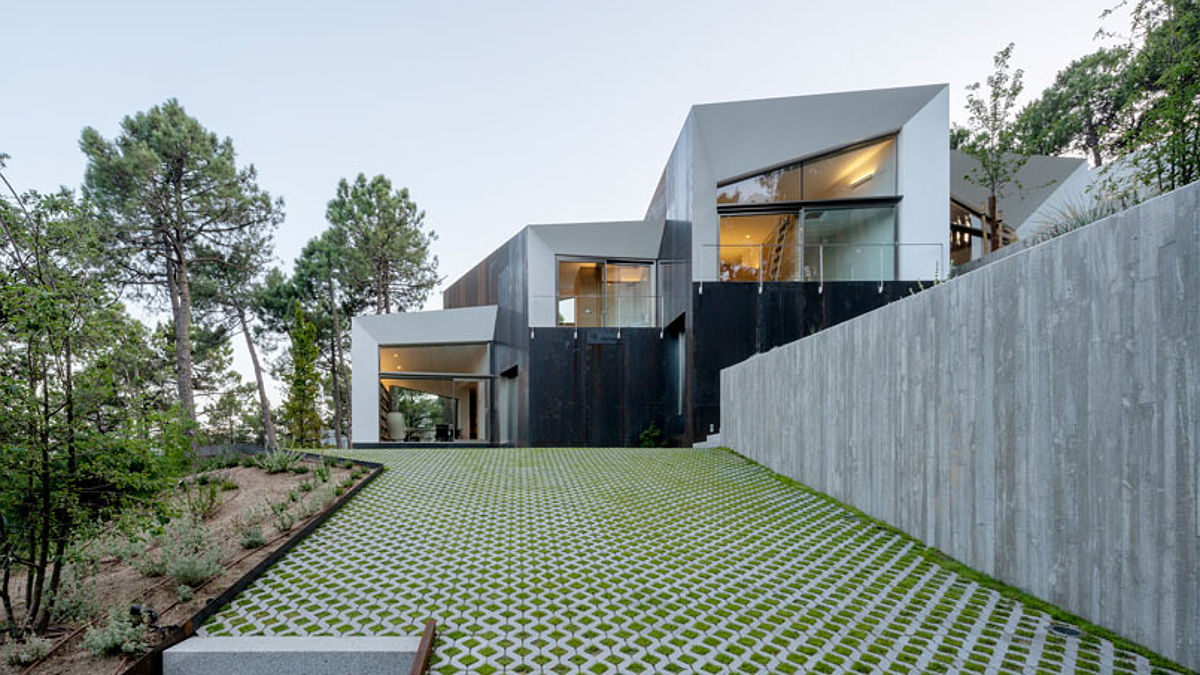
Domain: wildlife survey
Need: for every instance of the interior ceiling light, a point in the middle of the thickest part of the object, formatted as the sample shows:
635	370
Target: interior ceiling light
862	179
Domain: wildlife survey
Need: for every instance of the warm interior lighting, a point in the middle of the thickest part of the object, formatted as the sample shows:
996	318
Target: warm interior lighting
862	179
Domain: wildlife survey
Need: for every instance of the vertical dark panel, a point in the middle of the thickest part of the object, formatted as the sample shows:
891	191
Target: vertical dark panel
603	398
730	322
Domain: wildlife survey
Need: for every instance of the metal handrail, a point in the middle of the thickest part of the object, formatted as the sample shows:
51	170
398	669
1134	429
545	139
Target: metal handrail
762	249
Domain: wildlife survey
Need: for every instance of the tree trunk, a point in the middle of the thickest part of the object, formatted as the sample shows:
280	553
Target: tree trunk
263	403
64	515
39	581
335	374
6	577
992	224
182	317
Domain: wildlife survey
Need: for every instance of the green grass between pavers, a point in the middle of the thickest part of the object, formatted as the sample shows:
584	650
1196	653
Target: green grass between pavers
1007	590
629	560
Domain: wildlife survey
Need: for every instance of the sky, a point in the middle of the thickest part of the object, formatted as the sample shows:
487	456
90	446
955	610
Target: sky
495	115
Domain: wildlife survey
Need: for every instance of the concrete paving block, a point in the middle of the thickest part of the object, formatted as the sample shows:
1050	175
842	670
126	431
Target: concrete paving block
314	655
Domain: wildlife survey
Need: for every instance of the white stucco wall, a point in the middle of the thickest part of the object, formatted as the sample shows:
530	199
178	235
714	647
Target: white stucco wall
364	385
923	217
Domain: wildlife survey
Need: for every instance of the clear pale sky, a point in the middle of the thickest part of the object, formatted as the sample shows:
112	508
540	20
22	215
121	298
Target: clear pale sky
494	114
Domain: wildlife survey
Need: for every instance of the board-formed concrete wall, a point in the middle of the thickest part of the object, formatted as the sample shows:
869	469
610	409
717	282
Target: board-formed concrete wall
1037	419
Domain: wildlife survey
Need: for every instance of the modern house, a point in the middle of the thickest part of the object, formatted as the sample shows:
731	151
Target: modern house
773	219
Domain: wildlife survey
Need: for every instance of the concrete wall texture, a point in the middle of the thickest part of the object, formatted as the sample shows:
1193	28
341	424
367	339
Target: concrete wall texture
1037	419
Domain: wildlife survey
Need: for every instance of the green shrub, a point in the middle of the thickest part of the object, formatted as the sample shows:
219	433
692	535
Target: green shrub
184	592
283	520
1074	214
187	555
252	537
202	499
300	469
119	635
652	437
322	473
306	486
76	601
193	567
25	653
279	461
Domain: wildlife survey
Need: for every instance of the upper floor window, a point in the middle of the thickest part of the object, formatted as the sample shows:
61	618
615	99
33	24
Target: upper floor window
605	293
865	170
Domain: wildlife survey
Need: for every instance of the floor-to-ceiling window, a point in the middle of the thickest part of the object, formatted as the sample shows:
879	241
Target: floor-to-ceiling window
434	393
828	218
595	293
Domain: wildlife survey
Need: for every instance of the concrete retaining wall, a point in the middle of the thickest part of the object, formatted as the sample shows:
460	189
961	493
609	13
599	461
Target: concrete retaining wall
1037	419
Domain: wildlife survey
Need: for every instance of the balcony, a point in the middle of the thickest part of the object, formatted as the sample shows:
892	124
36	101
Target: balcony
829	262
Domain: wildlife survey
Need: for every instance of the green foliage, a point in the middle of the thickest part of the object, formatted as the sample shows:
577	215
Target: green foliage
248	526
86	431
322	472
170	195
202	499
279	461
386	249
1083	110
652	437
283	520
118	635
1165	69
28	652
300	414
991	131
1074	214
77	600
184	593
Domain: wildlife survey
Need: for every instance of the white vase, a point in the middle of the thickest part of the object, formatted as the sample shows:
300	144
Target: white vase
396	428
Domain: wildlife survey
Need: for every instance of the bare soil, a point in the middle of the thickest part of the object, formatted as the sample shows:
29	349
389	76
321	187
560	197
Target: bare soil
119	585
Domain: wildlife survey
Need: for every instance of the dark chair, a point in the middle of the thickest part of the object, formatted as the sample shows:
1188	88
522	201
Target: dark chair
442	433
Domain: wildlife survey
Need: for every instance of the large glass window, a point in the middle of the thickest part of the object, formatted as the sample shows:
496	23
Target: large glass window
866	171
811	244
862	171
605	293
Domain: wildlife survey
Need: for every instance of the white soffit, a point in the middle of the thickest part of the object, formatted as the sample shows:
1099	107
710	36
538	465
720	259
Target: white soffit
443	326
743	137
620	239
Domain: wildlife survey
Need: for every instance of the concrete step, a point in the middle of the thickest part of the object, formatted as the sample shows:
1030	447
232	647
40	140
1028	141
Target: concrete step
313	655
713	441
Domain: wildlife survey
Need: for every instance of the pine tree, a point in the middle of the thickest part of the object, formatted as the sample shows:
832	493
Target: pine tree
300	415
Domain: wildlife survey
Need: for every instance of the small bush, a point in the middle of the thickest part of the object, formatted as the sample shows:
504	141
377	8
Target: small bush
76	601
346	464
652	437
252	537
119	635
300	469
248	461
1074	214
25	653
306	486
187	555
193	567
279	507
279	461
293	496
203	499
284	520
339	491
322	473
184	592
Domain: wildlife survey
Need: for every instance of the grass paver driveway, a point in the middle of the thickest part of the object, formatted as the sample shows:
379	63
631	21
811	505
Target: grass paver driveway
640	560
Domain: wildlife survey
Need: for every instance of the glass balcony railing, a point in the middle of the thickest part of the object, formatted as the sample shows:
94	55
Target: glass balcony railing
829	262
594	311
